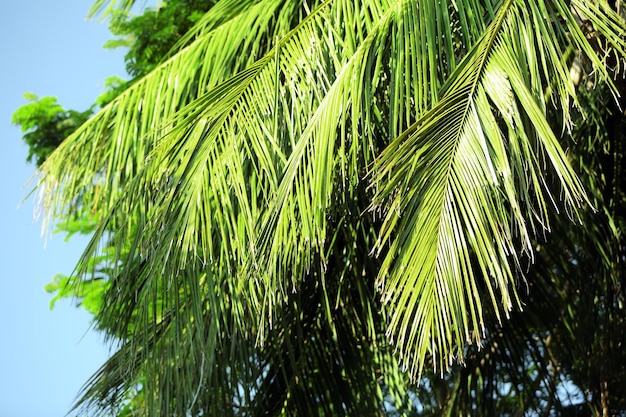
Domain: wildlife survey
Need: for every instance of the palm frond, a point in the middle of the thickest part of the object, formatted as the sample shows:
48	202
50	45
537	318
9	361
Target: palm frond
116	141
466	183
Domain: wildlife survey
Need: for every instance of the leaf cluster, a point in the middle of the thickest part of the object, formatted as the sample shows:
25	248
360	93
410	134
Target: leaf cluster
45	124
312	202
150	35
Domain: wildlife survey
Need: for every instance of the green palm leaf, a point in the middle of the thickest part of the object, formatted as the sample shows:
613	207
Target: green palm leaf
466	183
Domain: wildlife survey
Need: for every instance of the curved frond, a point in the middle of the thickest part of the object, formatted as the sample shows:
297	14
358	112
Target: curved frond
115	143
467	183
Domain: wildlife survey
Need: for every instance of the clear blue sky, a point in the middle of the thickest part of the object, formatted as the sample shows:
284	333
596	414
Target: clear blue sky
47	48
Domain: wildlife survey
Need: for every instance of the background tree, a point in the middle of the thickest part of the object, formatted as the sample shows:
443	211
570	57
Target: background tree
184	209
45	123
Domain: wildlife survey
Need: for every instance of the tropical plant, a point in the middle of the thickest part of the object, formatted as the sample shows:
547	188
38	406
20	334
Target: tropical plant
310	201
561	355
44	124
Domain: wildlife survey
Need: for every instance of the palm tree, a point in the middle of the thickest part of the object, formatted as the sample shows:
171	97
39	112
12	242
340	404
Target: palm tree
315	202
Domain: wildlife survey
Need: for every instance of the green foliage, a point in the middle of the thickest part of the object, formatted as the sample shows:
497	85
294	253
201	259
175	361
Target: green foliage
87	293
309	205
150	35
567	340
45	124
89	297
114	86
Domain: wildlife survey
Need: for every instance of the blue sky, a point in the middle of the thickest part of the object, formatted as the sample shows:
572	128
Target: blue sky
47	48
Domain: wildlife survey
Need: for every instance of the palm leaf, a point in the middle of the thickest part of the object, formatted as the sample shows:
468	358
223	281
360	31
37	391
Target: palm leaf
466	183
